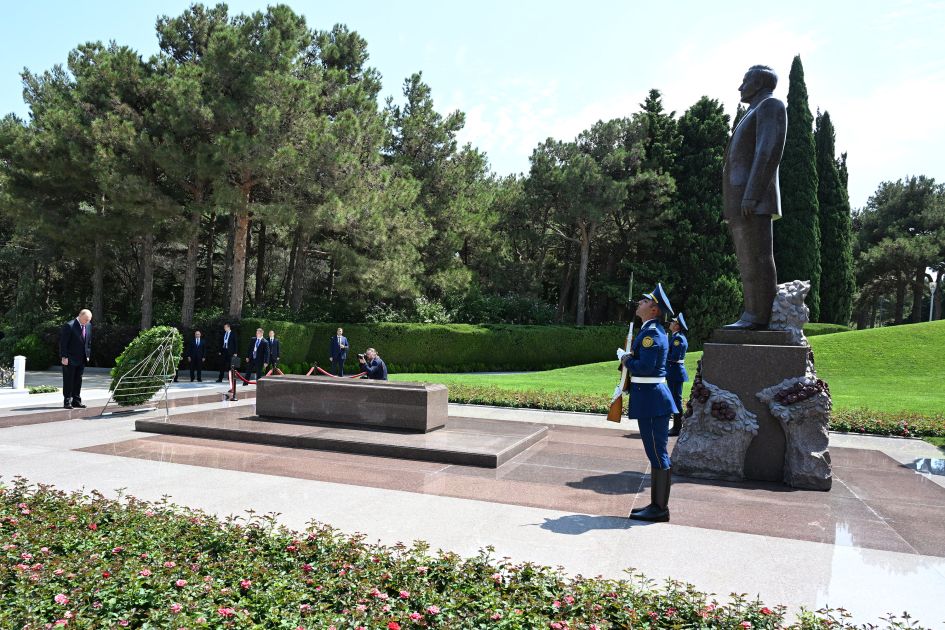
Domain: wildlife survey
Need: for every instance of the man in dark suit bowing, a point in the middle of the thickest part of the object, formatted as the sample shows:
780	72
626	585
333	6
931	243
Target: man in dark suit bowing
75	348
228	350
195	356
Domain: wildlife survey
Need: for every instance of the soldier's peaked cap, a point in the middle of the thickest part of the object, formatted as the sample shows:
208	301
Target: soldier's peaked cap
679	319
659	296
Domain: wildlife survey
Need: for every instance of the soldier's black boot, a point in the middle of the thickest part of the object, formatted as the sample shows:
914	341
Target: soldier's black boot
677	425
653	499
658	511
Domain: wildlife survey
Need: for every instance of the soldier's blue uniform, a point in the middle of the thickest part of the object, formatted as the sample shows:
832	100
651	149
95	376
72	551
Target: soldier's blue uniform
675	363
651	403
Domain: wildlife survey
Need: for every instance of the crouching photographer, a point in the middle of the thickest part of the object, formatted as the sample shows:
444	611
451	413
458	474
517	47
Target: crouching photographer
373	364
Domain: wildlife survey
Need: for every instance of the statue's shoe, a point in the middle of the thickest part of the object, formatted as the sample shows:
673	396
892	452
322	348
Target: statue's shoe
744	324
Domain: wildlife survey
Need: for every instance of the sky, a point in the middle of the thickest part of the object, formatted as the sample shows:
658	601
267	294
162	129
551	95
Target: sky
524	70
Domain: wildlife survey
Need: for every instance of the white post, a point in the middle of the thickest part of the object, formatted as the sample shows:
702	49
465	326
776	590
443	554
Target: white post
932	287
19	372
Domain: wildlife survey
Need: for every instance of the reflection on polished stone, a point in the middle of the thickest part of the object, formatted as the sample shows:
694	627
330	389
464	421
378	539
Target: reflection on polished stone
931	466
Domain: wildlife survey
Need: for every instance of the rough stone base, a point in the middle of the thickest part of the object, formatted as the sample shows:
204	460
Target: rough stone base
745	370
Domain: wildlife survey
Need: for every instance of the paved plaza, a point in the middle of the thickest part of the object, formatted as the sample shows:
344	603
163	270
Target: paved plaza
874	544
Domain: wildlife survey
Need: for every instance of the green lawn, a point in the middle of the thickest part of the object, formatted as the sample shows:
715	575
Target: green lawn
900	368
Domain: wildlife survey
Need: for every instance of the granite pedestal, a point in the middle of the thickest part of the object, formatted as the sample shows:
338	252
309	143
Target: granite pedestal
746	362
401	420
419	407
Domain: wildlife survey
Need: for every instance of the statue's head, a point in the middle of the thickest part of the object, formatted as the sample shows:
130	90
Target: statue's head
756	79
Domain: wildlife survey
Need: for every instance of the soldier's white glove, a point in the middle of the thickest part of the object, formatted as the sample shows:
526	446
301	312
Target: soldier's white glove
621	353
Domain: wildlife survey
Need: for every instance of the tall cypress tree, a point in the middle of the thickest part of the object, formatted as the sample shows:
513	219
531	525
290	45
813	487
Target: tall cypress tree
797	234
837	284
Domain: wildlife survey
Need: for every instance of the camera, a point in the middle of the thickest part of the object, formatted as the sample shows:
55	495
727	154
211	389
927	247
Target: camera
361	357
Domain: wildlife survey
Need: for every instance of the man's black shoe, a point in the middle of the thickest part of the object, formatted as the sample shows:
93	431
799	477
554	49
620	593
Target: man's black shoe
219	380
78	404
67	405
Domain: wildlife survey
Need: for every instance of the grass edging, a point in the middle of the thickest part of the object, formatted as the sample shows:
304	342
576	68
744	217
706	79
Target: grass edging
85	561
858	421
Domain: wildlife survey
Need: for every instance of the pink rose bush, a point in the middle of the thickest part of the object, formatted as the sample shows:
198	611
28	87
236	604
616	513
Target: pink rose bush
163	566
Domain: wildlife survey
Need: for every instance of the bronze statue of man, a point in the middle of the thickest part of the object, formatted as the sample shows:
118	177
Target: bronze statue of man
752	195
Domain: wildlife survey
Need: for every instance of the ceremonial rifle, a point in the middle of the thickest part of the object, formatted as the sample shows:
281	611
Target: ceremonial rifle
616	403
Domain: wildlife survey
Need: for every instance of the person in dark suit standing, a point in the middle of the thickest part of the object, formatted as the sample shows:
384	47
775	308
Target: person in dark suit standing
274	348
752	193
257	356
338	352
196	356
229	348
373	364
75	349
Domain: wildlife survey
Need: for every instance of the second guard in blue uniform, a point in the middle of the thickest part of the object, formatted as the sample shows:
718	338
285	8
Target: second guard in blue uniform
650	400
676	367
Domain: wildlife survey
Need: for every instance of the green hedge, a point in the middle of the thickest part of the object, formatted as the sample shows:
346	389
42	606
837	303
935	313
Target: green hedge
38	353
448	347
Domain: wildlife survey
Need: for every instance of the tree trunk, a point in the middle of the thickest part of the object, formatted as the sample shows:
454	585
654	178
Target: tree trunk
290	268
228	257
937	298
98	277
918	292
238	268
874	311
147	281
900	300
298	274
211	247
862	313
587	235
249	250
567	284
259	294
190	271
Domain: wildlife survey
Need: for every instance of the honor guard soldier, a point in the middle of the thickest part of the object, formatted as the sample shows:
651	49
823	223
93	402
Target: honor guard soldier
650	401
676	367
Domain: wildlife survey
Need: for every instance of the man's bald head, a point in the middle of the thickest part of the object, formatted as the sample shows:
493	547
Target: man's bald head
85	316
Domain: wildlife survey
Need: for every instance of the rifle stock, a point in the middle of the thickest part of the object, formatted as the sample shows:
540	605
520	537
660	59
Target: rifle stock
615	412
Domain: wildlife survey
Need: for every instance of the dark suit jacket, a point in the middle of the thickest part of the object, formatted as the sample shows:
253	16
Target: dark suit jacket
376	369
273	350
751	160
232	347
262	353
196	353
338	352
71	344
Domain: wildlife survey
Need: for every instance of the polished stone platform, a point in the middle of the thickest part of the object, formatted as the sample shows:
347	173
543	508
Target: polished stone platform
462	441
419	407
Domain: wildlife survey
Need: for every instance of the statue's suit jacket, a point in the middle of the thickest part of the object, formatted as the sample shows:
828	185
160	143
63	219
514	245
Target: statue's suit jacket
752	158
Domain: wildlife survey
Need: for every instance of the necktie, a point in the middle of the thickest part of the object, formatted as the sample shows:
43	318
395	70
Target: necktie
255	348
83	331
198	343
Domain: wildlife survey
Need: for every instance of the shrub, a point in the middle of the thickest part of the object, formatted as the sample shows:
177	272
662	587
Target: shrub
39	356
136	352
901	424
450	347
92	562
42	389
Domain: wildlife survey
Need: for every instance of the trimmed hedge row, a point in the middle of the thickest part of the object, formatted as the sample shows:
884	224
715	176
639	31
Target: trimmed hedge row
405	347
436	348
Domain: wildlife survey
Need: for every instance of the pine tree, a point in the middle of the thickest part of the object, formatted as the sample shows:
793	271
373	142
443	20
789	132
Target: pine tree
837	283
797	234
